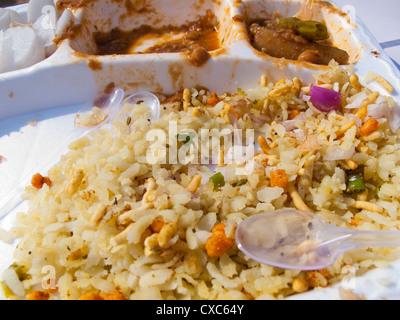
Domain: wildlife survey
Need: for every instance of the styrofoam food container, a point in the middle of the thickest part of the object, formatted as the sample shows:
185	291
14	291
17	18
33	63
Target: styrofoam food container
54	89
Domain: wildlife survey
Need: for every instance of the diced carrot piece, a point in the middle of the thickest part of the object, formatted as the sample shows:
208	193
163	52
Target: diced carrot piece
213	100
111	296
38	295
38	181
90	296
279	178
293	114
218	243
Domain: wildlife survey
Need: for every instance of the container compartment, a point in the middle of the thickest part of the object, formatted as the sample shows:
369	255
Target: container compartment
133	27
338	24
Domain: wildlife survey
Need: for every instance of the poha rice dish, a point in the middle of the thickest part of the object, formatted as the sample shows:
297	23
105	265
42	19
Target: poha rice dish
105	224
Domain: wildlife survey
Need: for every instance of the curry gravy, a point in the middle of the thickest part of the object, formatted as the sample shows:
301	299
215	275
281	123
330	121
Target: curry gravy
195	39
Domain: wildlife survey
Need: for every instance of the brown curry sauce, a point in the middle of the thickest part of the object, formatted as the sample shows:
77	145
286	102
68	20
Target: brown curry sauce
285	43
198	38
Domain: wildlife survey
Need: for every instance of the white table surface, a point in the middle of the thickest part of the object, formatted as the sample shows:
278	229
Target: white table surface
382	18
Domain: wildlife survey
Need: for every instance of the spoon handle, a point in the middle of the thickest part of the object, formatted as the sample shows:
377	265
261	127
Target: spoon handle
362	239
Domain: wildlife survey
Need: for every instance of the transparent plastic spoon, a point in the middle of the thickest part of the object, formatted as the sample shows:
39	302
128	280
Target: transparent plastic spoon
294	239
110	104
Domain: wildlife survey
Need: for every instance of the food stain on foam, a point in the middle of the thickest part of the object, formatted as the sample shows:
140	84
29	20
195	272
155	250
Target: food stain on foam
176	73
95	64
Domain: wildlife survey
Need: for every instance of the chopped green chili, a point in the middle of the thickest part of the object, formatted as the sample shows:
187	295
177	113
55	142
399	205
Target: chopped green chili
287	23
311	30
355	184
218	180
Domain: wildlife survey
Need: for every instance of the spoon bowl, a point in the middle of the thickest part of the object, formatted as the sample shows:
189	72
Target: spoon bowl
295	239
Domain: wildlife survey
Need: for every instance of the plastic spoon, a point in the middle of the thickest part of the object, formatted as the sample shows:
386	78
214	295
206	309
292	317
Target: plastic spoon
294	239
110	104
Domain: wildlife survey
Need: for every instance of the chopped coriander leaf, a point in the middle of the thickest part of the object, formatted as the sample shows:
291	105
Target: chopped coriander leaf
21	271
185	137
241	91
377	189
240	183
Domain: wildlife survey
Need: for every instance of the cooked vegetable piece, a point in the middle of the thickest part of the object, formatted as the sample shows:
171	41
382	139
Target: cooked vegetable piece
310	30
21	271
241	91
90	296
325	100
111	296
185	137
213	100
218	243
279	178
287	23
38	295
102	296
38	181
377	189
287	44
218	180
157	225
239	183
355	184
